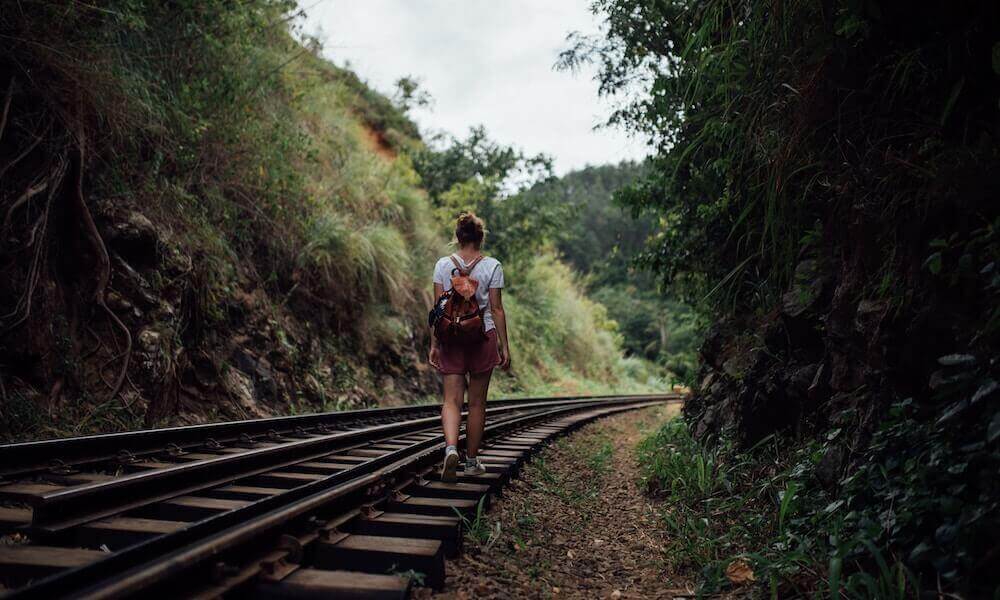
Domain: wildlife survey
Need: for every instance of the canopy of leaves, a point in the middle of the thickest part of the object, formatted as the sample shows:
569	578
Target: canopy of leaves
777	122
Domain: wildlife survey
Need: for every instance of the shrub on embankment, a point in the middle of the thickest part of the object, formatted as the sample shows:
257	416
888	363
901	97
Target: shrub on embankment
203	219
826	183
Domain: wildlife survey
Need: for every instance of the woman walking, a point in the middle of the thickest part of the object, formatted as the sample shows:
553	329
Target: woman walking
469	339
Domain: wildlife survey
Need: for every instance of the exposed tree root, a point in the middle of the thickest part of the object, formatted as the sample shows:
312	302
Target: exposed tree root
103	263
54	394
32	191
97	344
36	240
6	105
23	306
33	235
26	152
112	360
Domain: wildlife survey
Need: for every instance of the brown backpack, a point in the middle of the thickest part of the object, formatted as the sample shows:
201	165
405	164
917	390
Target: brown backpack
460	321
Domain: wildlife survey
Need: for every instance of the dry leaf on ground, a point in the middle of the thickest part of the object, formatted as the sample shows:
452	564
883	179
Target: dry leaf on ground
739	572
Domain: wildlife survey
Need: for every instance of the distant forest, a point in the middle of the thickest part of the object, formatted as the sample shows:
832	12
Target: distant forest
602	241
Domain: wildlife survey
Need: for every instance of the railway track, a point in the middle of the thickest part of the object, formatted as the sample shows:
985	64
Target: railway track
341	504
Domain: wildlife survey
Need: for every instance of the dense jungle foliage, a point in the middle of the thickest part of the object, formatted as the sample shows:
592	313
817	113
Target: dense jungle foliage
601	241
205	219
825	188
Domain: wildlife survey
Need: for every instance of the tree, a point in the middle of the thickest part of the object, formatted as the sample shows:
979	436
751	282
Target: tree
409	94
489	178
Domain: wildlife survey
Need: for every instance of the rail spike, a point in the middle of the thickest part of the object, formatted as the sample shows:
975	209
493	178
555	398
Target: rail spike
175	450
58	467
293	546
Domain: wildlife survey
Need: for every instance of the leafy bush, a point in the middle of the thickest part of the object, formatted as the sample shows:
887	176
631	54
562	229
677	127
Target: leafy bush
921	501
756	508
779	129
673	463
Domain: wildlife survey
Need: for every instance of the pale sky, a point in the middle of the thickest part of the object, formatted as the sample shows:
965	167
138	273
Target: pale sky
486	62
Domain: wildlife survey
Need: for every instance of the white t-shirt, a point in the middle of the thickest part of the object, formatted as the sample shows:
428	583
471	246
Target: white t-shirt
488	272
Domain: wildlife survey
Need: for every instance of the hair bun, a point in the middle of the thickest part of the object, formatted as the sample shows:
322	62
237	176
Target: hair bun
469	229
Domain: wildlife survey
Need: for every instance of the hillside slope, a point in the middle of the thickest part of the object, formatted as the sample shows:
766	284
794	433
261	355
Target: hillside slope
205	220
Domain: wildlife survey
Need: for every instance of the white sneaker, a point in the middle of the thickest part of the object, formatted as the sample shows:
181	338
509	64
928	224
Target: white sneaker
474	466
450	464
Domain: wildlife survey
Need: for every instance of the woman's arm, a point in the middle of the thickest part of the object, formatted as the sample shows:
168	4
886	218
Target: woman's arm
500	319
434	354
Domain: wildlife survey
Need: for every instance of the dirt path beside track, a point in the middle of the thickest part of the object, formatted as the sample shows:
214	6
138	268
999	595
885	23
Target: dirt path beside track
575	525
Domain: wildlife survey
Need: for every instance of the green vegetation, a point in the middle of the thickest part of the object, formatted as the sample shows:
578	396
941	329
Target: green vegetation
565	336
755	508
565	341
600	240
243	162
203	217
477	528
824	193
753	114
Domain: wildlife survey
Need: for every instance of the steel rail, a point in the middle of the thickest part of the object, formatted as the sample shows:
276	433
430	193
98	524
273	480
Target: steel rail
407	466
23	458
58	510
125	571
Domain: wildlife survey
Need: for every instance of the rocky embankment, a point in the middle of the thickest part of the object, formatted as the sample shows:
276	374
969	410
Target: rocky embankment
195	355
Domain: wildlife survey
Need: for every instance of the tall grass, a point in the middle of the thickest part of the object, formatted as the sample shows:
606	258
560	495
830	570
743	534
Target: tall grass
672	462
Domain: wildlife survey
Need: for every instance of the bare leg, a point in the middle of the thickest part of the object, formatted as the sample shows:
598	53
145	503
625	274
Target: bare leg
451	410
479	385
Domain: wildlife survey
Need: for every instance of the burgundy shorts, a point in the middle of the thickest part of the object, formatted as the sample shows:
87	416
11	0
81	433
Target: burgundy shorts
478	358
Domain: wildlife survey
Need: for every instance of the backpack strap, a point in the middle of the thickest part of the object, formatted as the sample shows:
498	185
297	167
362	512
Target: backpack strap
458	265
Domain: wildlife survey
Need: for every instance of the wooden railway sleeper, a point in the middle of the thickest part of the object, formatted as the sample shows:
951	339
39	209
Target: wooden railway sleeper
414	518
